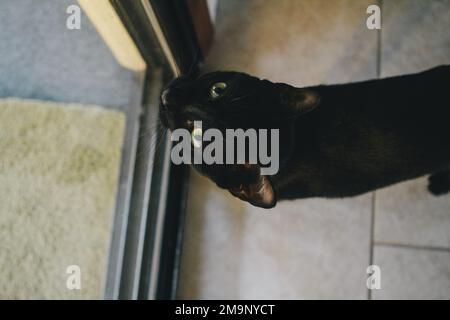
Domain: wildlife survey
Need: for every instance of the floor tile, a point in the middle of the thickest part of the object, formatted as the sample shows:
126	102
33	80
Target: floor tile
415	35
298	42
412	274
301	249
407	213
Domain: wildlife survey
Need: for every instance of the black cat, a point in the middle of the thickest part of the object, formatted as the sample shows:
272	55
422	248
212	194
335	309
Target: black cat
335	140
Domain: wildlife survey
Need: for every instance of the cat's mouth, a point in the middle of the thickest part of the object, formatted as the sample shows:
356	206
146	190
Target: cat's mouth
167	120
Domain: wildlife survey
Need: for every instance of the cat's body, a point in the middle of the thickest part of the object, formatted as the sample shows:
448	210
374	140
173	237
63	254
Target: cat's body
342	140
368	135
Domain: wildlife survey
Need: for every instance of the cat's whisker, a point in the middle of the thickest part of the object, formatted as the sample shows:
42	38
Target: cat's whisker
154	142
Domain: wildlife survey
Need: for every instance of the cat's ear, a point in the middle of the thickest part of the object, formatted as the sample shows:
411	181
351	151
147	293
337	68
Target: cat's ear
298	101
259	193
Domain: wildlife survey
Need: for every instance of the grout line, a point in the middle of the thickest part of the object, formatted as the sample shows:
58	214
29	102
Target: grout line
372	237
380	4
411	246
374	194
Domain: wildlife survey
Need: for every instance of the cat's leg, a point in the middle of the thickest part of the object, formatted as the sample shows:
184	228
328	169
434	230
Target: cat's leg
439	183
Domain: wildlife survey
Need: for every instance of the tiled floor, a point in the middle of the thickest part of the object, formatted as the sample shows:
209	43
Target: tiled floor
320	248
412	227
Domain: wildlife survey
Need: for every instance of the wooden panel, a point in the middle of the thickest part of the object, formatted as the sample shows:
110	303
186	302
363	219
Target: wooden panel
110	27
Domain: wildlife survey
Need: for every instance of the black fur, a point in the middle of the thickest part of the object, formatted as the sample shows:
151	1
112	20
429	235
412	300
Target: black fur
439	183
359	137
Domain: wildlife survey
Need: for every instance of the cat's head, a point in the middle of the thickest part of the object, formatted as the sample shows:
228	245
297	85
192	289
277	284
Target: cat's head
233	100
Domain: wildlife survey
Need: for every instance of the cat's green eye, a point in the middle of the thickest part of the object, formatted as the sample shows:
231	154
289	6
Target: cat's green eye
196	137
217	89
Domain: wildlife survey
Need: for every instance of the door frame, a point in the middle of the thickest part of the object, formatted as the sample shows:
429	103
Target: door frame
147	235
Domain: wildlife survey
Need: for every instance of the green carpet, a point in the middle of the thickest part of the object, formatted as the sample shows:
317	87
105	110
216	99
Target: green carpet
59	168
